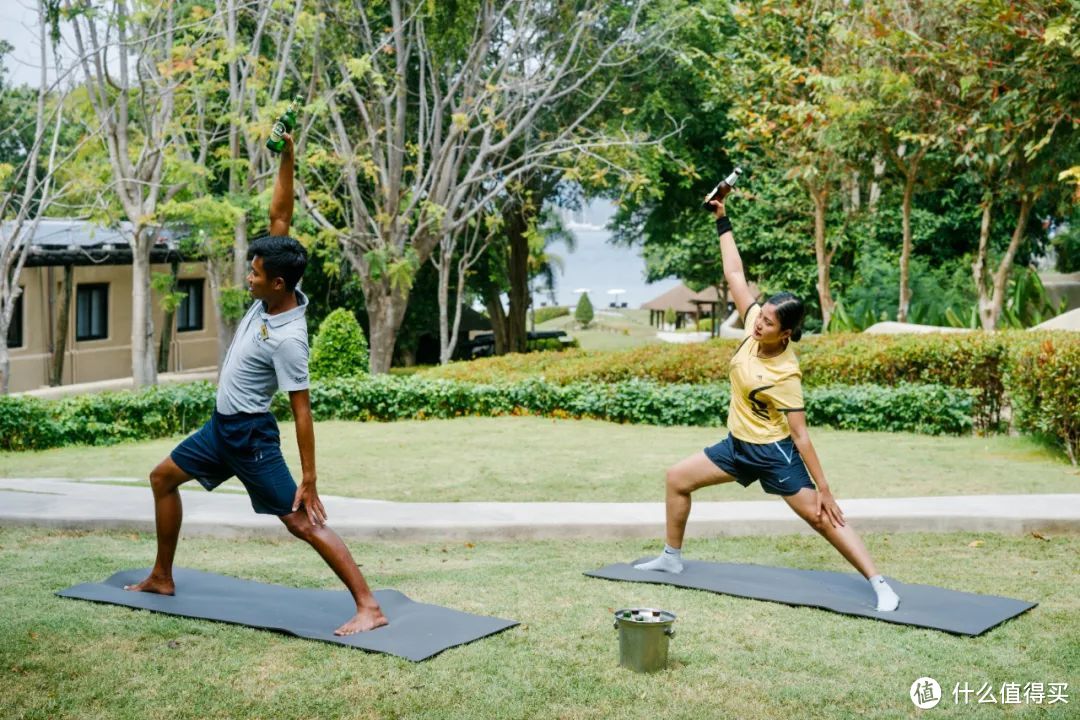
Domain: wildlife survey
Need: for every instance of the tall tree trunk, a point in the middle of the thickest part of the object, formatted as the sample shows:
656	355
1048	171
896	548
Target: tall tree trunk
215	273
905	251
167	326
497	313
62	324
875	184
240	248
5	366
823	257
1001	277
978	269
519	280
386	311
143	368
444	265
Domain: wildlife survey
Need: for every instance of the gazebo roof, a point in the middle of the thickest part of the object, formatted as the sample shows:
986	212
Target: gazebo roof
682	299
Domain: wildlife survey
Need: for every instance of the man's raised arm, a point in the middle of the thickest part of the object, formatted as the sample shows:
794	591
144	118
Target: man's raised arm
281	204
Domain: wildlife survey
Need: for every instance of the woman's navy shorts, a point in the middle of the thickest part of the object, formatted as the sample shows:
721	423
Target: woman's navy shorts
245	445
778	465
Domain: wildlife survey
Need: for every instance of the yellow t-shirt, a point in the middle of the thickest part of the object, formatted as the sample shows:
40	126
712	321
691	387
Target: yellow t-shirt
762	389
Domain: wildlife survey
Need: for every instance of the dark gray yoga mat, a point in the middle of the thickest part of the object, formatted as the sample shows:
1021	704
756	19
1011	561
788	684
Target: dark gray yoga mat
416	632
925	606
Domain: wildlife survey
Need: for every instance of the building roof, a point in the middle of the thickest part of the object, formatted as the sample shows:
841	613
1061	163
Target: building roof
71	241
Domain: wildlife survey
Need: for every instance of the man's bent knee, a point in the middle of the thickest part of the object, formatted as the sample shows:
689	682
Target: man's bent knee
298	524
167	476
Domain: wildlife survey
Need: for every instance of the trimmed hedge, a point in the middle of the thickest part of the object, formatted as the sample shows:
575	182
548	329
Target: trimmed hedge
550	345
976	361
108	418
339	348
543	314
27	423
1043	384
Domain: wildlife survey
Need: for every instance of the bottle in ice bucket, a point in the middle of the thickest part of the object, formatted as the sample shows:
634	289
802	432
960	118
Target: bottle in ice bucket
722	189
284	124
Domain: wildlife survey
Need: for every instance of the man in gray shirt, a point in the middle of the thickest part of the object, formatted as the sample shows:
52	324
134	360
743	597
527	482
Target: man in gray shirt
268	353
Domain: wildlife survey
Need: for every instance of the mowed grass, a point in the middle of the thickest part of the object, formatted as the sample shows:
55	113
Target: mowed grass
538	459
730	658
610	329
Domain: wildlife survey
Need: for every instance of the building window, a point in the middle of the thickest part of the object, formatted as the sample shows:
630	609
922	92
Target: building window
15	329
92	312
189	316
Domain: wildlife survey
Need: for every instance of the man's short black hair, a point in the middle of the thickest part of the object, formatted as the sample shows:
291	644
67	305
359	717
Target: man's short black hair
282	257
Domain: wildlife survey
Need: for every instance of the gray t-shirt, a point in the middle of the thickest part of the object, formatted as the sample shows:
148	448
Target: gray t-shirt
267	354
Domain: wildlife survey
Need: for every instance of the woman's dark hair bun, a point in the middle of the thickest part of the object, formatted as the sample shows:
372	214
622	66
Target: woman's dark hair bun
790	311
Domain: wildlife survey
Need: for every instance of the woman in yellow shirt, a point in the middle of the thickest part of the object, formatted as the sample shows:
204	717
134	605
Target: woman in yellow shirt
768	440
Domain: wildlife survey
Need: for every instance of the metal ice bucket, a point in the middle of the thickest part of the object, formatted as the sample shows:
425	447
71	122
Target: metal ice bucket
643	638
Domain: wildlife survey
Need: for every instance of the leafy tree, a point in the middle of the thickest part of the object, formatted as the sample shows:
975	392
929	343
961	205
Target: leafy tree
431	115
899	70
788	110
133	100
584	311
1019	83
30	155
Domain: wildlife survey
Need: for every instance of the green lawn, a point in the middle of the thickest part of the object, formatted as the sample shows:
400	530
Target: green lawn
611	329
731	657
529	458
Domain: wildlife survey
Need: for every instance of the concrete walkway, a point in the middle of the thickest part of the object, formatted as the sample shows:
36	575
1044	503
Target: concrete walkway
94	505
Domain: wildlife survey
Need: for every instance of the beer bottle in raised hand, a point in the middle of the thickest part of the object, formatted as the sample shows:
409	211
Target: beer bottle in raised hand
285	124
721	191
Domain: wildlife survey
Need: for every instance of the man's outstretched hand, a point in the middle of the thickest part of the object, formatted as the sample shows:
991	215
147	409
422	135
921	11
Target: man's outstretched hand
308	496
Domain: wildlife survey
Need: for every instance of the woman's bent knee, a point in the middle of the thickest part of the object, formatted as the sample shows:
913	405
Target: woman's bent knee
677	481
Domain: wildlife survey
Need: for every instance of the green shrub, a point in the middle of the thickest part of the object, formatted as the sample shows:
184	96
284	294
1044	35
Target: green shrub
971	360
911	408
583	313
927	409
550	344
544	314
339	348
976	361
27	423
1044	387
109	418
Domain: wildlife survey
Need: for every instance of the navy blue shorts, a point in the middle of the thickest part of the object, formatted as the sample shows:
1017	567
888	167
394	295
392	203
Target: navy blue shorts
247	446
778	465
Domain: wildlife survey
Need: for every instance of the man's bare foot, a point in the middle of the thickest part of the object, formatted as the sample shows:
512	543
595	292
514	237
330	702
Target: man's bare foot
365	619
154	584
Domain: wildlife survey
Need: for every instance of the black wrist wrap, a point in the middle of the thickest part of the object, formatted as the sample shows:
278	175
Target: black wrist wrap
723	225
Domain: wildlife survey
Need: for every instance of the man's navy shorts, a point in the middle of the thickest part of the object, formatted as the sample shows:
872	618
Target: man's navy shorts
245	445
778	465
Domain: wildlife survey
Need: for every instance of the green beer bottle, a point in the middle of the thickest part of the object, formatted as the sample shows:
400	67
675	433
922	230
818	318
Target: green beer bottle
284	124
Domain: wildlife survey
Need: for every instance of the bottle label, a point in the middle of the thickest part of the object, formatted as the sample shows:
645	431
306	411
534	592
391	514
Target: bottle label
278	131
